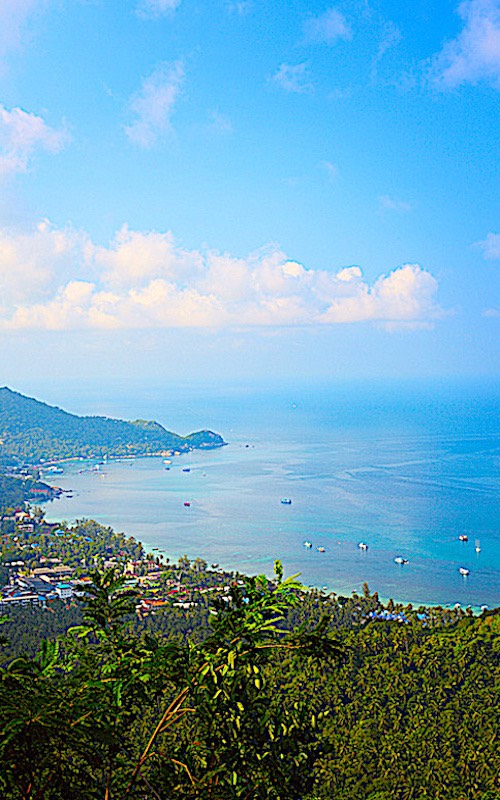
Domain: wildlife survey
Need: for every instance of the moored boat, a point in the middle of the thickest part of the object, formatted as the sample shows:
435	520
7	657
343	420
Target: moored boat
363	546
401	560
308	544
463	570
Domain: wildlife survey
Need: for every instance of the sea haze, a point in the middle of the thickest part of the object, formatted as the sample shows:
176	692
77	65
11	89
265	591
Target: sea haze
404	467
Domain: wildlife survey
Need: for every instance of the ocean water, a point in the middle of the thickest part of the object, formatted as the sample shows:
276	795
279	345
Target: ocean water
404	467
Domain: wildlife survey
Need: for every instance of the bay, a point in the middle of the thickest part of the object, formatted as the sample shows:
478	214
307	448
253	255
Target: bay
404	467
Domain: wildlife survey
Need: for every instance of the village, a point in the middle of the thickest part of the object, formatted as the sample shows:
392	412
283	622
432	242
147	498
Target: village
44	563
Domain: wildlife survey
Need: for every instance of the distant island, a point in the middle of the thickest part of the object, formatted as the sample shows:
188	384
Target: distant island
33	433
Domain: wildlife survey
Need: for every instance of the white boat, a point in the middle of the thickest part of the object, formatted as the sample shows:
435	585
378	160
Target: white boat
401	560
320	549
463	537
286	501
363	546
308	544
477	547
463	570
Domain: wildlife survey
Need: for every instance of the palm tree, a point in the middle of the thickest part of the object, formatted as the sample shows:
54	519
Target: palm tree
106	599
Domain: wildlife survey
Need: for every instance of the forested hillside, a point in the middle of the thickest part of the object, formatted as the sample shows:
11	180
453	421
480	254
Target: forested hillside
15	491
275	695
31	430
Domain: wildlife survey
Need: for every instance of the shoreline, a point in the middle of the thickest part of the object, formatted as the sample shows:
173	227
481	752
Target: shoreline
166	529
269	573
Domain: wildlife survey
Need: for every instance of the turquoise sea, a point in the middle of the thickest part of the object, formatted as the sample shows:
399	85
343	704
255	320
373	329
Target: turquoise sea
404	467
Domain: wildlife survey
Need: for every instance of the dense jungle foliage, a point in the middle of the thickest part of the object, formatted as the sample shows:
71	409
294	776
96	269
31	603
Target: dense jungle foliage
31	430
278	694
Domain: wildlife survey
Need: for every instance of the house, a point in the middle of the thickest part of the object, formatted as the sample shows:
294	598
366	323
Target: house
35	585
56	571
19	597
64	591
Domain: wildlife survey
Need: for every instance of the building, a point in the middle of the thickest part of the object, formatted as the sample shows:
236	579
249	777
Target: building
64	591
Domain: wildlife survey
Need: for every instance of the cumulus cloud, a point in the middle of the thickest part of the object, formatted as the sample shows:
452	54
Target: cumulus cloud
474	55
293	78
21	135
153	106
156	8
327	28
34	264
490	246
59	279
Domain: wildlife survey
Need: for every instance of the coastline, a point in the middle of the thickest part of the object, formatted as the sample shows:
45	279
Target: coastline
265	563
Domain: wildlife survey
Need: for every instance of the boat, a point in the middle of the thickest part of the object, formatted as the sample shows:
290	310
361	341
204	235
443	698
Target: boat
463	537
463	570
187	503
214	565
286	501
308	544
401	560
363	546
477	547
167	461
320	549
186	469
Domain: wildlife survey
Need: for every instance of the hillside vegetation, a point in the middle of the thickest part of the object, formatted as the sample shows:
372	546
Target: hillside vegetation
271	697
31	430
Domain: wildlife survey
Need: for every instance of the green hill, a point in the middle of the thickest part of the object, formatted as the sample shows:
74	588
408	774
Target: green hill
31	430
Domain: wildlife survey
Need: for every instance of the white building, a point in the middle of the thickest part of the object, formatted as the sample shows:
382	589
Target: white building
64	591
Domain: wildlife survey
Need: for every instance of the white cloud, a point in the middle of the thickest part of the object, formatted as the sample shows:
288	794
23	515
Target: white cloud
390	36
21	135
389	203
150	9
327	28
243	7
490	246
13	17
219	123
331	169
154	104
35	264
404	295
58	280
293	78
474	55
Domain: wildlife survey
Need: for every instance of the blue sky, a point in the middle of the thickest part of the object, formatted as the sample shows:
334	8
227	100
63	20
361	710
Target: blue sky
246	189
